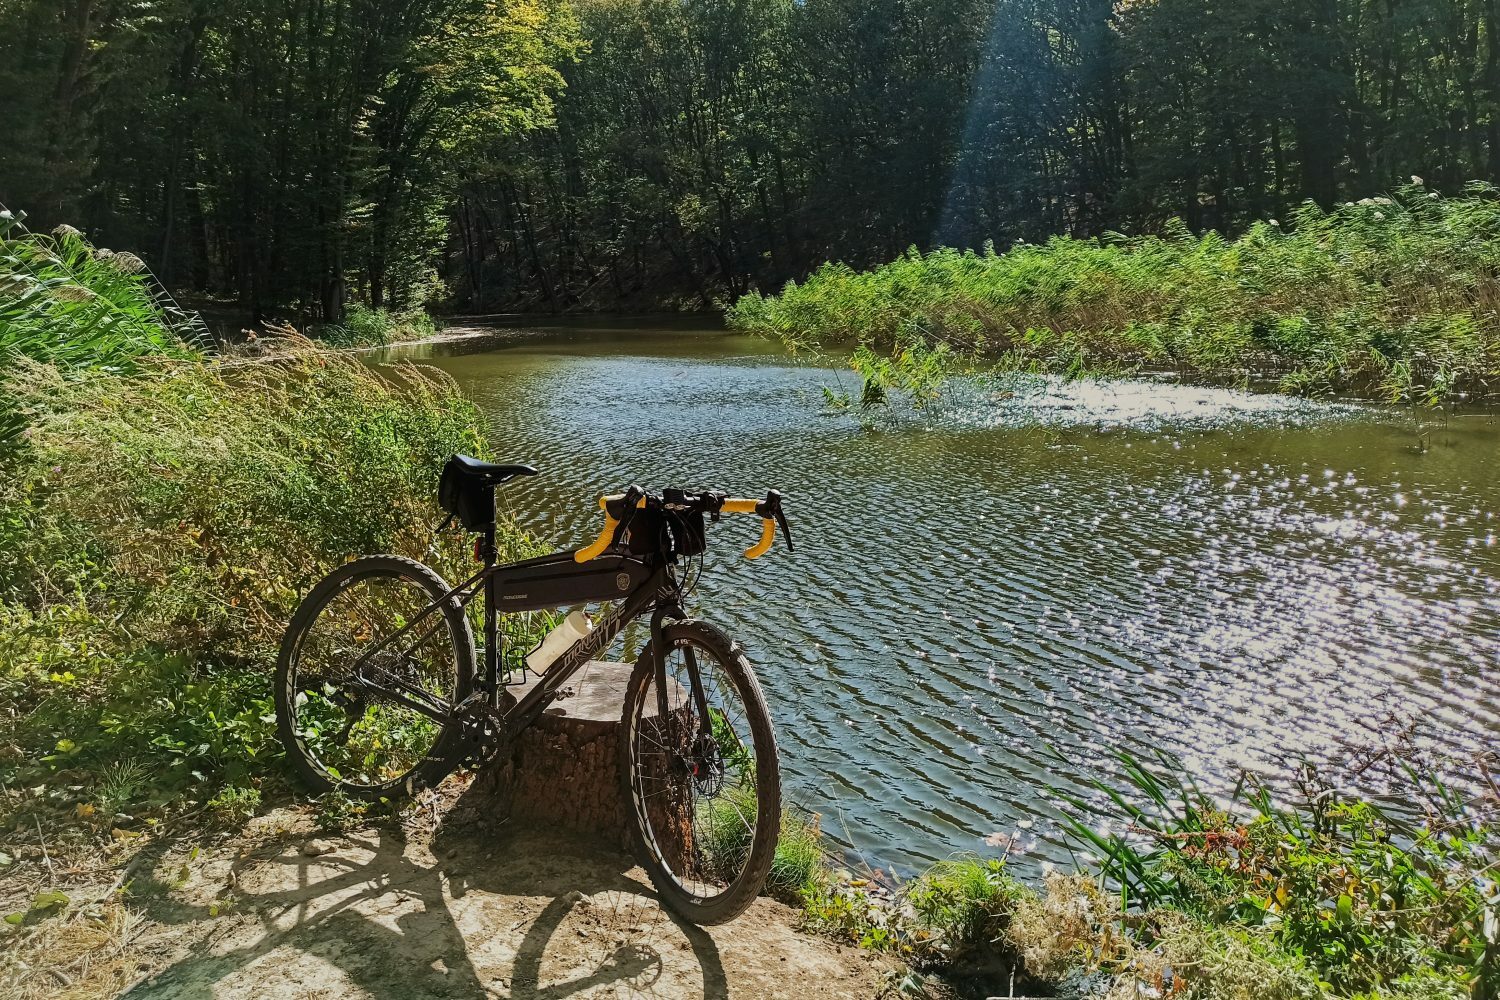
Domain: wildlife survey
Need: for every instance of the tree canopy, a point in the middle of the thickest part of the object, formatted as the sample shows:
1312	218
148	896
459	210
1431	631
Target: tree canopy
301	154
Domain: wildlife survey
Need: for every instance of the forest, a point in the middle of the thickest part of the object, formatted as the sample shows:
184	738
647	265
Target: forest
291	158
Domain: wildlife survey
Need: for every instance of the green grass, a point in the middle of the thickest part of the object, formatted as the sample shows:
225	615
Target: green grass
366	327
1394	298
161	513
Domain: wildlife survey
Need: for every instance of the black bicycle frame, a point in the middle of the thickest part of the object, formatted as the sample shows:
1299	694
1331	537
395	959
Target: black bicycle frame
544	583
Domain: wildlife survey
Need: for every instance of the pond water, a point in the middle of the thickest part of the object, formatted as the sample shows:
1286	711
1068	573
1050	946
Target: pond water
1232	578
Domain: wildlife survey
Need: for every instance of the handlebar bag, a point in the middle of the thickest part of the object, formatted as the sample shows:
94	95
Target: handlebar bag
667	533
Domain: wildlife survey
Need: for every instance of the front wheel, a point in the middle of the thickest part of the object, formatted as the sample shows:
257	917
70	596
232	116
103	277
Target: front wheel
702	775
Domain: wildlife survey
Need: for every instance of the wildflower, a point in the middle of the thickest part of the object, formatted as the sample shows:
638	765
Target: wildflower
65	230
1433	196
1365	202
1416	180
1274	222
1379	216
103	254
1384	201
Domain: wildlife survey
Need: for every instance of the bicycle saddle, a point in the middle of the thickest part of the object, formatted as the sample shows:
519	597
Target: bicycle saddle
490	473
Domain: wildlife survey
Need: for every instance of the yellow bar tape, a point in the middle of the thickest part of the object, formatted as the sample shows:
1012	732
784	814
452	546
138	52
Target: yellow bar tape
595	549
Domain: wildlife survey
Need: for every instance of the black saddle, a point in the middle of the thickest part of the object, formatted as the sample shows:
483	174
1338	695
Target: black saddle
488	472
467	489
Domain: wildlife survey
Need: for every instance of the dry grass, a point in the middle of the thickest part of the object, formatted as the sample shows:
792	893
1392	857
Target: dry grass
82	953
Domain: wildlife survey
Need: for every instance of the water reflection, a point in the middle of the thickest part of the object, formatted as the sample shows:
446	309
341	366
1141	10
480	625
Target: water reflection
1233	578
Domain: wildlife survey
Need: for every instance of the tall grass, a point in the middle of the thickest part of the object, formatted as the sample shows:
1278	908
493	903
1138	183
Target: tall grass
157	528
367	327
70	304
1391	297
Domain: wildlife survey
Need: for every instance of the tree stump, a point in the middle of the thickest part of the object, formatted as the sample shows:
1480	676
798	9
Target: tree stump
565	770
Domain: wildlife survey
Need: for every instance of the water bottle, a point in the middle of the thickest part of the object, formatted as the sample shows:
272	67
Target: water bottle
559	641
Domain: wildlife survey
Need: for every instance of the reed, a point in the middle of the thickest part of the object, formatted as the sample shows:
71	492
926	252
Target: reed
68	303
1394	298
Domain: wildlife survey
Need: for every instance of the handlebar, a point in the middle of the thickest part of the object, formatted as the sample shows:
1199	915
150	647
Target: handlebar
768	509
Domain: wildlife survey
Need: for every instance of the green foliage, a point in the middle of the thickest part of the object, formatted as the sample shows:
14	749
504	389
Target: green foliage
1364	900
234	804
966	902
159	528
800	861
70	304
953	911
338	812
333	172
1248	899
366	327
1392	297
552	153
800	865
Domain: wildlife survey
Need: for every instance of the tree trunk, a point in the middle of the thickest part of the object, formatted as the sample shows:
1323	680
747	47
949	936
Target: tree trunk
565	771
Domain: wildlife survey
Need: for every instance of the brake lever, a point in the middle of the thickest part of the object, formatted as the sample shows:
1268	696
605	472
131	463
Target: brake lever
786	529
772	509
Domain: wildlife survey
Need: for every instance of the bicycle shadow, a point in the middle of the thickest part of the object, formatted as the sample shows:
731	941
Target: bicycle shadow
514	914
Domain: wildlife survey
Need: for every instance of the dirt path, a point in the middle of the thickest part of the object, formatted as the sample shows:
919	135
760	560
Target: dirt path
286	913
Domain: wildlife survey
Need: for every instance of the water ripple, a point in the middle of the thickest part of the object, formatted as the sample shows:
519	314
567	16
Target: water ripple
1087	567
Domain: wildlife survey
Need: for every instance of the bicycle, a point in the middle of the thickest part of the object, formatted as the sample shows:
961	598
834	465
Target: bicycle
376	693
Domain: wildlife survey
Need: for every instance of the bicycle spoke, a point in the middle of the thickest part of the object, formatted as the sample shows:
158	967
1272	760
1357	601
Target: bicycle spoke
695	778
373	692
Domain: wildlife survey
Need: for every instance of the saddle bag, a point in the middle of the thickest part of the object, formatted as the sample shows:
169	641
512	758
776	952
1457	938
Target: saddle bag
466	496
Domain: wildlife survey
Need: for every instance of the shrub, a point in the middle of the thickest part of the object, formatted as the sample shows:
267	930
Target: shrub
367	327
1392	297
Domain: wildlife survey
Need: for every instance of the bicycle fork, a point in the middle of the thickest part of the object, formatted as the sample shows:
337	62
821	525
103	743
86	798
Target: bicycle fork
700	751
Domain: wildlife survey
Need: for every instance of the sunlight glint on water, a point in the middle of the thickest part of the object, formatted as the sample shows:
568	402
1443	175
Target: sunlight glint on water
1233	578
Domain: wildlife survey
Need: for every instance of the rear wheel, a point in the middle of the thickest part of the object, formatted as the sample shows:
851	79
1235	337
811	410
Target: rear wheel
705	798
370	670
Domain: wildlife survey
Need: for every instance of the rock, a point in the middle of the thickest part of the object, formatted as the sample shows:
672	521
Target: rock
315	848
576	898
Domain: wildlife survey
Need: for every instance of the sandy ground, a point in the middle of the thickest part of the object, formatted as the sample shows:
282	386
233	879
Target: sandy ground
282	912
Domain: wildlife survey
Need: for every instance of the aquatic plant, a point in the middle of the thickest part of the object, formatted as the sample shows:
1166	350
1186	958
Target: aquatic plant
1391	297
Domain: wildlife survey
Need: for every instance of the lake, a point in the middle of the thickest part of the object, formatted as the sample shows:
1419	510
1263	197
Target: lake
1233	578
